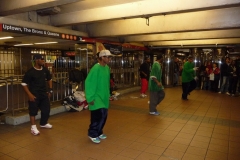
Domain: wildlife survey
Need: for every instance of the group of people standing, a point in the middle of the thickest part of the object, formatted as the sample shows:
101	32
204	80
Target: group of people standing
223	79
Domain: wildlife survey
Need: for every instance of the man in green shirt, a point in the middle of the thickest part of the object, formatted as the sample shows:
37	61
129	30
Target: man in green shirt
155	86
188	78
97	86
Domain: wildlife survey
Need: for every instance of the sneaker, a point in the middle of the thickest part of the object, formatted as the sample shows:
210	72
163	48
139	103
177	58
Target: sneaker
34	130
46	126
95	140
148	102
228	93
219	92
142	95
102	136
233	95
116	94
154	113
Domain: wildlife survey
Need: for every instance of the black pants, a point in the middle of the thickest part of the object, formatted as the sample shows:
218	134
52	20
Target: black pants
232	84
214	85
188	87
41	102
98	120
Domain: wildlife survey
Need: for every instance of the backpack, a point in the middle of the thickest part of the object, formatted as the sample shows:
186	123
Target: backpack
71	104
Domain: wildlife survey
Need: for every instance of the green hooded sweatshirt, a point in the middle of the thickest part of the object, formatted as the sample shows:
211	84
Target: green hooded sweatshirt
188	73
156	72
97	85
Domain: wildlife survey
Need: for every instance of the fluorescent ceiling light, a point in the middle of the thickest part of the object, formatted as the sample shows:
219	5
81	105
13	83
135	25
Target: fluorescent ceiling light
46	43
23	44
6	37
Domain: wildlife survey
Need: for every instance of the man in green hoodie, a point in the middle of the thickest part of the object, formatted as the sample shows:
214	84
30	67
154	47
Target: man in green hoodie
97	85
155	86
188	78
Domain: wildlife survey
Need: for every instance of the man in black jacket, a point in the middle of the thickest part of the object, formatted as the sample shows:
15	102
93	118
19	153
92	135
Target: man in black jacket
224	71
144	74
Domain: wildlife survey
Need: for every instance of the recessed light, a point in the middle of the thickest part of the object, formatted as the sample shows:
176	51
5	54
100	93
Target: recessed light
46	43
6	37
23	44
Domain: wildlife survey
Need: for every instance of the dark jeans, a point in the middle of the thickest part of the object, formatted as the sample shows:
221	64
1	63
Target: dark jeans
98	120
188	87
214	85
233	80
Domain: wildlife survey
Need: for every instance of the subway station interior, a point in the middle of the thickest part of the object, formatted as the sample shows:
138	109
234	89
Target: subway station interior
69	34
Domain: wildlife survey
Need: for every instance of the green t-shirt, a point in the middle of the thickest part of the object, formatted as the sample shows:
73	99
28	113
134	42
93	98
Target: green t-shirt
97	85
188	73
156	72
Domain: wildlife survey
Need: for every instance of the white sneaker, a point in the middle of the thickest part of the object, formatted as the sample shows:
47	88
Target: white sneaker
116	94
154	113
220	92
228	93
34	130
46	126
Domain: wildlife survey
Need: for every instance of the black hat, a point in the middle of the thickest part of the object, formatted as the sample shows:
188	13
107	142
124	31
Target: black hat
38	56
190	57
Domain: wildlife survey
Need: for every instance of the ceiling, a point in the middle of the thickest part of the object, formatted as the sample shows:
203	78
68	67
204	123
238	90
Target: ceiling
150	23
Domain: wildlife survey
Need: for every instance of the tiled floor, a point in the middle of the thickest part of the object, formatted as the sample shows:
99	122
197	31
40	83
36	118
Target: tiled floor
206	127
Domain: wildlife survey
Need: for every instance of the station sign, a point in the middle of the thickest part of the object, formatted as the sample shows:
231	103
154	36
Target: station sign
38	32
68	53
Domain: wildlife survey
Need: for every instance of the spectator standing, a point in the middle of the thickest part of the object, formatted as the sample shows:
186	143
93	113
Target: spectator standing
233	78
97	86
34	84
202	75
224	71
188	78
207	82
215	72
155	86
175	72
144	74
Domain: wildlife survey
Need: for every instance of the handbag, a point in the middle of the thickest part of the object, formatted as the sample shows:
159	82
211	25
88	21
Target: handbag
211	77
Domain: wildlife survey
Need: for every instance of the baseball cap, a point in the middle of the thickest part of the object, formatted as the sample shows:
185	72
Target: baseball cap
38	56
190	56
105	53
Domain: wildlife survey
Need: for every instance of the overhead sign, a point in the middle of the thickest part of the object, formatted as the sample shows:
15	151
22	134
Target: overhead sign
38	32
68	53
114	49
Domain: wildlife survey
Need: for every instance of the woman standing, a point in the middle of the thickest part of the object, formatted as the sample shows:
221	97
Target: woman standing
233	78
215	72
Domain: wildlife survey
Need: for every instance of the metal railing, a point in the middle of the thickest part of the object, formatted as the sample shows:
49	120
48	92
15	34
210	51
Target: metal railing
13	98
6	84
